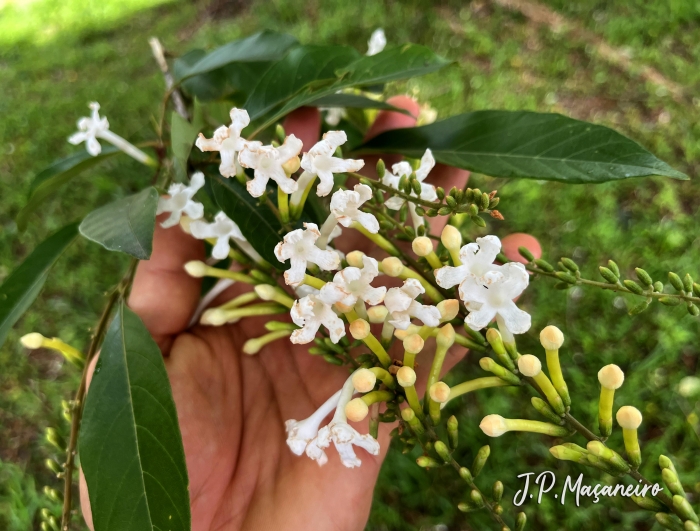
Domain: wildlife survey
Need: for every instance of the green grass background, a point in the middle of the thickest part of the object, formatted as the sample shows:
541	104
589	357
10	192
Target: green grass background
57	55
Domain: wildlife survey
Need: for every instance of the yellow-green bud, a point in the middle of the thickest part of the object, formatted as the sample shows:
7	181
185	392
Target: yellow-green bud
608	275
392	266
491	366
465	474
377	314
449	308
497	491
520	521
427	462
476	498
53	466
451	238
675	280
55	439
453	431
668	521
442	451
480	460
672	482
545	410
683	508
643	276
648	503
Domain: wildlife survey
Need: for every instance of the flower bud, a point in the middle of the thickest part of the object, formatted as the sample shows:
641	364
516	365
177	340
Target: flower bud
343	308
53	466
659	286
359	329
449	308
675	280
643	276
491	366
543	408
568	453
53	494
684	509
413	343
392	266
608	275
520	521
480	460
629	417
671	480
442	451
406	377
381	168
445	337
525	253
465	474
439	392
493	425
377	314
453	431
551	338
611	376
355	259
356	410
214	317
33	340
598	449
451	238
544	265
427	462
689	525
196	268
364	380
497	491
55	439
648	503
476	498
665	462
633	286
569	264
668	521
529	365
422	246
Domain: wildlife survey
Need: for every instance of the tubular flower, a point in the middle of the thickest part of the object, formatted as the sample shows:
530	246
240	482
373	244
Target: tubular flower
268	161
301	432
477	260
345	206
377	42
342	435
299	248
90	129
428	193
352	284
227	140
310	313
495	297
401	306
180	201
319	160
222	229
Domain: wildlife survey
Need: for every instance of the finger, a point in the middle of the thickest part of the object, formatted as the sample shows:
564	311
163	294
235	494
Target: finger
511	243
305	124
164	296
386	121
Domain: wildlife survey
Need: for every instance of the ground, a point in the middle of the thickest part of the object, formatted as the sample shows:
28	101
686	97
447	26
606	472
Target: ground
631	65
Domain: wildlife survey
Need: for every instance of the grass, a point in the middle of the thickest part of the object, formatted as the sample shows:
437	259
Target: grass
57	56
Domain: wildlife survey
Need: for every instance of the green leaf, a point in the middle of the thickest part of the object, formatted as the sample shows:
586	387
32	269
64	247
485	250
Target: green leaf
258	223
125	225
130	443
59	173
527	145
182	137
390	65
354	101
24	284
262	46
301	67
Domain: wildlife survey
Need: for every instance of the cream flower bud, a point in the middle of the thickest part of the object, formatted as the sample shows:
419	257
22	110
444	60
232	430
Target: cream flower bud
377	314
392	266
611	376
439	392
422	246
529	365
355	259
291	165
196	268
266	292
413	343
359	329
364	380
449	308
406	377
551	338
629	417
214	317
451	238
356	410
32	341
493	425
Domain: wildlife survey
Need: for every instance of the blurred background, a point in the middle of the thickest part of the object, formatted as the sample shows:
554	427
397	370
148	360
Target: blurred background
628	64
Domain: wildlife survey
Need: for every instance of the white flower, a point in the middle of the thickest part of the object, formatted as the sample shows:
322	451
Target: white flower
398	170
477	260
333	115
319	160
310	313
90	129
222	229
345	206
495	297
180	201
343	436
301	432
267	161
376	42
298	247
227	141
402	306
352	284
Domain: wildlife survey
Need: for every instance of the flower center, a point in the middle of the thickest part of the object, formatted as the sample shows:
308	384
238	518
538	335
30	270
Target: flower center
478	269
322	162
356	286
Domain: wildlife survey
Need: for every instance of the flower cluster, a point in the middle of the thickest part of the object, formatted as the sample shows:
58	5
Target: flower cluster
354	295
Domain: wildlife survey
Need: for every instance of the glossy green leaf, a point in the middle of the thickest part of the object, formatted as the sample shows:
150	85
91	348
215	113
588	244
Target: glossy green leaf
527	145
59	173
354	101
390	65
301	67
130	443
125	225
182	137
24	284
258	223
262	46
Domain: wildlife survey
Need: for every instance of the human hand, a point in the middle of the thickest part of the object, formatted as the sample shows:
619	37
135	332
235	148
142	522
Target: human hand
232	407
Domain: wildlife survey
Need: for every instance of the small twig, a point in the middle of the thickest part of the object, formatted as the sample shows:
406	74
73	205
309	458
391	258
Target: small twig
159	55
